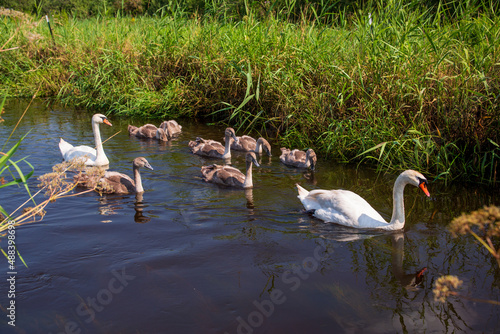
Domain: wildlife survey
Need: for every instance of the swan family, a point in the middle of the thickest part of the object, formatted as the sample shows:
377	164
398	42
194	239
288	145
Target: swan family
337	206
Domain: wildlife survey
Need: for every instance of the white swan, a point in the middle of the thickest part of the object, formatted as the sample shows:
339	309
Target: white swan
94	157
349	209
230	176
114	182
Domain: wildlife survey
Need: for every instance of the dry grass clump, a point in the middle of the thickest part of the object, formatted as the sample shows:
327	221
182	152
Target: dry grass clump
15	14
445	286
28	23
25	27
484	225
35	211
485	220
93	178
57	181
56	185
53	182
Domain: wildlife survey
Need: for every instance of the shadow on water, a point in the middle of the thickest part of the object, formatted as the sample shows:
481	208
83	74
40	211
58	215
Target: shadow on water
191	257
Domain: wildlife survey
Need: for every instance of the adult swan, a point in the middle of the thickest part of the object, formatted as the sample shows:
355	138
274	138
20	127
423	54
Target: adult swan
349	209
94	157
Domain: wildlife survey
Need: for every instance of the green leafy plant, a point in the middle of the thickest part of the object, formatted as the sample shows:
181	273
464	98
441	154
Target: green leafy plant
55	185
7	164
399	84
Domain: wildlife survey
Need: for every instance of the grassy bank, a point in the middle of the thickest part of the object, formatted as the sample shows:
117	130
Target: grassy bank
410	90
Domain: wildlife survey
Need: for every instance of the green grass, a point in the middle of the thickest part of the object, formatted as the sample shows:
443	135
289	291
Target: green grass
418	88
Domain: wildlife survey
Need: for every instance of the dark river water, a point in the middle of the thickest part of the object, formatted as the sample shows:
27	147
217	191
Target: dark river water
193	257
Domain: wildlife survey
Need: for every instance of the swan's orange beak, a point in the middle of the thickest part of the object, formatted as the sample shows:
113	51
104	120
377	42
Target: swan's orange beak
105	121
423	186
421	272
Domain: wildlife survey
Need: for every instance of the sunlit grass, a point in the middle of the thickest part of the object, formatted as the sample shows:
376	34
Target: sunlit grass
410	89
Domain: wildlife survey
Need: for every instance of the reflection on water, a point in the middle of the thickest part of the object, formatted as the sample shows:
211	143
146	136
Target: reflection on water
249	197
209	259
139	206
406	280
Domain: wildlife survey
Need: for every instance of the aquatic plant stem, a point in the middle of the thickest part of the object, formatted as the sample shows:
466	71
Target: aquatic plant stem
487	301
488	245
111	137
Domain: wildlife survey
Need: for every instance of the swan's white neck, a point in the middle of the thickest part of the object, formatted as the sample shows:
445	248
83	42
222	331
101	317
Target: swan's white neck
248	177
100	158
138	180
398	241
398	208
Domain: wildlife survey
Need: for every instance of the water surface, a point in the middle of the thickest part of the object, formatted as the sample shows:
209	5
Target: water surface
192	257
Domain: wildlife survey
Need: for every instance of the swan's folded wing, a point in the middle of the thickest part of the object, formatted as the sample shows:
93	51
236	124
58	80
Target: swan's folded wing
119	182
247	143
298	156
212	149
344	207
64	146
147	131
173	127
230	176
208	172
81	151
295	158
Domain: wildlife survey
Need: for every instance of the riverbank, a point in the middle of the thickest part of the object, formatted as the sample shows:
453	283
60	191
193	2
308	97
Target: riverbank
402	90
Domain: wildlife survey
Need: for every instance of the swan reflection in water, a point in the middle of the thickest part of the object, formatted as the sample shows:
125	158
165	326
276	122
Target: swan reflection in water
139	206
249	198
409	281
110	204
